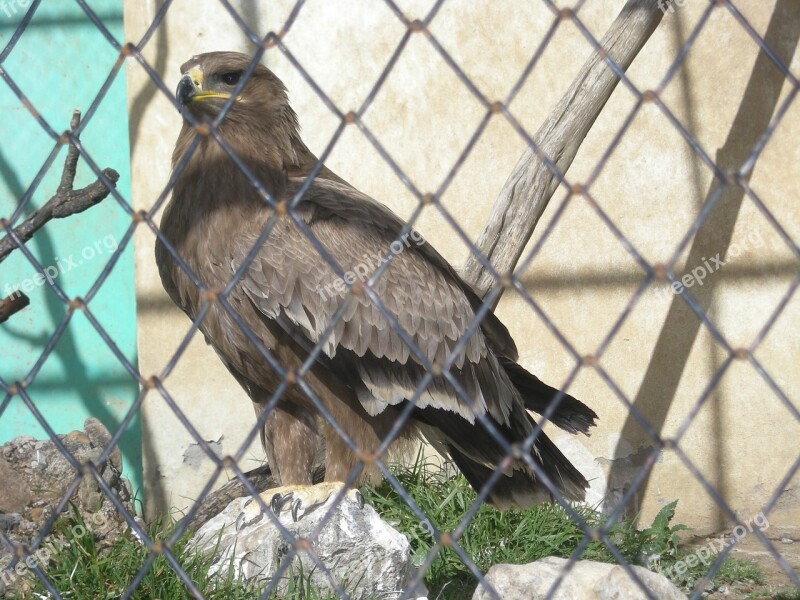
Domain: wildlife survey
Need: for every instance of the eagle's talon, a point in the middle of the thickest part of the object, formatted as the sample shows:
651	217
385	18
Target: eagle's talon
278	501
295	508
251	513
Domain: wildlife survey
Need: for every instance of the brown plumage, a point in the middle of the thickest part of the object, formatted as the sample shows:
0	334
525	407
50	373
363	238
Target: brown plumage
288	295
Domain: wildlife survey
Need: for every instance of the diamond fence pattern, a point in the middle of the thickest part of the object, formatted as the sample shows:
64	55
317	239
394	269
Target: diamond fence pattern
274	42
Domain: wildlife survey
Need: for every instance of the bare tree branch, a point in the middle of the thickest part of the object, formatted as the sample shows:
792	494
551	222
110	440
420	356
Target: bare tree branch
528	189
64	203
12	304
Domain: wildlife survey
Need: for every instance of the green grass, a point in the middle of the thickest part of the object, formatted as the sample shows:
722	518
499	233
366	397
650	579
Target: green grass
739	570
732	571
511	536
83	571
522	536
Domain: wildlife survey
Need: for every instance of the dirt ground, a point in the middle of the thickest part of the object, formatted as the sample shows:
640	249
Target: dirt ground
776	582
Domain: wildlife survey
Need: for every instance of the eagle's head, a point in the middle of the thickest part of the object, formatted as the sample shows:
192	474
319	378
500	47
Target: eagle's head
259	121
209	80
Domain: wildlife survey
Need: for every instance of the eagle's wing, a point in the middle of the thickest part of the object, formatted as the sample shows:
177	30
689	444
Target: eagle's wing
290	282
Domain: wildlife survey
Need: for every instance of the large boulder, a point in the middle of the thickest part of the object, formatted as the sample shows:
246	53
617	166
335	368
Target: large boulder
34	476
587	580
363	553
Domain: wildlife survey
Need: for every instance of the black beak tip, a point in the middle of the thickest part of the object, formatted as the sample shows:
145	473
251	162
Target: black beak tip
185	91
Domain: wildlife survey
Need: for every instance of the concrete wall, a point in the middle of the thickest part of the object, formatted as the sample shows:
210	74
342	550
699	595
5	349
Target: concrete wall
652	186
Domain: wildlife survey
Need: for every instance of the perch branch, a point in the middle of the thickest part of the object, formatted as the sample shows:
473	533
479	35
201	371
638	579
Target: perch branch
64	203
261	478
531	184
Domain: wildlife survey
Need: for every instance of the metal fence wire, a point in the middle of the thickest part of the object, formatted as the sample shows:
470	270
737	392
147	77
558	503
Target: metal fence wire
573	190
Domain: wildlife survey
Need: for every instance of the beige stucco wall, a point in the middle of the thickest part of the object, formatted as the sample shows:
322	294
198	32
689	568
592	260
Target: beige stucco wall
743	440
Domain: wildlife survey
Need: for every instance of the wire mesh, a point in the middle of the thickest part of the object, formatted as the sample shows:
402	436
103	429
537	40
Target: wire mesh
274	41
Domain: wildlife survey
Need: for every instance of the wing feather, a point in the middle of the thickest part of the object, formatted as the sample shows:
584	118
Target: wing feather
291	282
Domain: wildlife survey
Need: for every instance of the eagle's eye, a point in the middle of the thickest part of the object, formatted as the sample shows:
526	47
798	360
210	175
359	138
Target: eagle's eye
231	78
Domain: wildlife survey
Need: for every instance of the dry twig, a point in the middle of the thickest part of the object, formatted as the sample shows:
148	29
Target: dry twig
65	202
12	304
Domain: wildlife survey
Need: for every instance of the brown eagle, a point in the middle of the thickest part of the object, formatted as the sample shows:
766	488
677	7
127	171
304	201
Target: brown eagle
289	296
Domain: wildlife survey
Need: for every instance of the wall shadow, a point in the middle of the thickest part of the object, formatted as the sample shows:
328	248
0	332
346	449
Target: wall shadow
680	329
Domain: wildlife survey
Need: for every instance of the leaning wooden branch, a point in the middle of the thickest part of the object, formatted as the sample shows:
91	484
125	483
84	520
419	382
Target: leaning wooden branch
65	202
531	184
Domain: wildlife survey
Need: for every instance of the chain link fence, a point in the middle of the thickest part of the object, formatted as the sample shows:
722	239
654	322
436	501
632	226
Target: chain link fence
726	177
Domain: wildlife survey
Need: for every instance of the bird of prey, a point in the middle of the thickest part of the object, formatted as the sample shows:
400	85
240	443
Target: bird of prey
292	300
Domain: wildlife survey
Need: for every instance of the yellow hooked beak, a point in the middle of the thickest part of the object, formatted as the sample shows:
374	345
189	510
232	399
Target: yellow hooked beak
190	88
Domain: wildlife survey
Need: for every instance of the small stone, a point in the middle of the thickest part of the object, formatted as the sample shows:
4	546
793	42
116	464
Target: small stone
75	440
142	525
785	539
36	514
100	438
9	522
40	462
15	493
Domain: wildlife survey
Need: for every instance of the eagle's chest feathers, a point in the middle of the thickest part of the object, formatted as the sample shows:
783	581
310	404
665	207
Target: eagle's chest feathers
213	204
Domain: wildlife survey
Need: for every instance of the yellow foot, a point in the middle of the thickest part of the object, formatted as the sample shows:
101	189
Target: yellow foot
301	498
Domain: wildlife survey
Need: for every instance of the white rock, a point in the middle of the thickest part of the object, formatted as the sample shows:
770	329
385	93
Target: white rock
587	580
366	556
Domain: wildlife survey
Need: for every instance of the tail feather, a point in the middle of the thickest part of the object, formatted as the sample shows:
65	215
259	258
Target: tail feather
521	487
571	415
475	451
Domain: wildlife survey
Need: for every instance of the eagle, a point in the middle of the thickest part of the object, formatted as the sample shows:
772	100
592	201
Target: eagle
379	303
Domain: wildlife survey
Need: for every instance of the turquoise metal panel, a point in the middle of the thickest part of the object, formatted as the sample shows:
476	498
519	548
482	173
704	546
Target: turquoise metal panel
60	63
